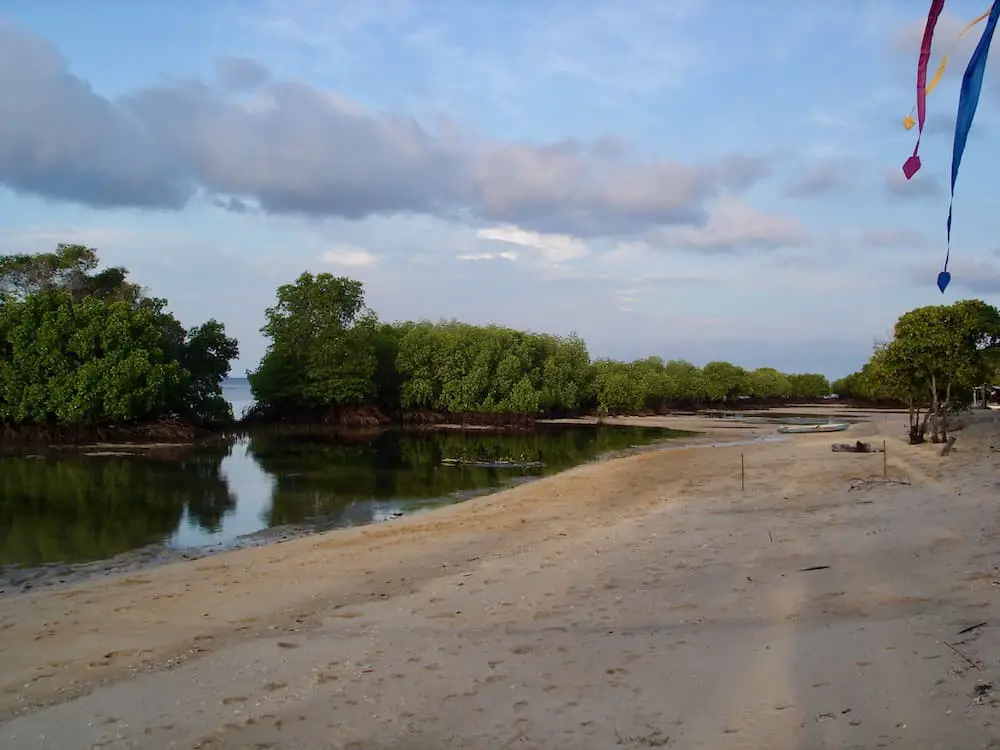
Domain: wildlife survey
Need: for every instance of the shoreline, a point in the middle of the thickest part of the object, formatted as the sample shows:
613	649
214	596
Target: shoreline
515	614
16	580
171	434
449	519
705	432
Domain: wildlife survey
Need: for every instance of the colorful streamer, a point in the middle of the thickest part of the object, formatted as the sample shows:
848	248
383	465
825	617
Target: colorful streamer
968	101
912	165
908	121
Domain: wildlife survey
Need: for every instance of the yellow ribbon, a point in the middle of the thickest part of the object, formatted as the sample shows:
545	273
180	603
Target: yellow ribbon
908	121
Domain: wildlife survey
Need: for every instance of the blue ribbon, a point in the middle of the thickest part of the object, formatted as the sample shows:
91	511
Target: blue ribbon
968	101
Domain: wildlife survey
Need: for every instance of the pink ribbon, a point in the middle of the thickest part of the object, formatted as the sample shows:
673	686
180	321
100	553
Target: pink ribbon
912	165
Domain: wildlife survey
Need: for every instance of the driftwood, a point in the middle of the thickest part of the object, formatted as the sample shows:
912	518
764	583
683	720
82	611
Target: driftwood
857	447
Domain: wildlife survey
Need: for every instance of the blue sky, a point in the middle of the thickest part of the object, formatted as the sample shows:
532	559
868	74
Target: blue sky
699	179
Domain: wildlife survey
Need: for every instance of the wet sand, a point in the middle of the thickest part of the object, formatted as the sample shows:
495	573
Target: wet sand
641	602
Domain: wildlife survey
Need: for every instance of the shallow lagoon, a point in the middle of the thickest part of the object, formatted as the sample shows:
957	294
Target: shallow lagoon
86	505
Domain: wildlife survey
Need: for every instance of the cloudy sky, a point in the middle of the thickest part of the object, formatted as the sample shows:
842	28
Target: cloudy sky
699	179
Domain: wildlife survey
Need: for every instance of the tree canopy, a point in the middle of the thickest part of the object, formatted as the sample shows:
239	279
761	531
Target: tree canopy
327	349
81	346
323	346
936	356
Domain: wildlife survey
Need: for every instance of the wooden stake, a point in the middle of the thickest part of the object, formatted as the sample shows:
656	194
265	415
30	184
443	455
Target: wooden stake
885	463
743	475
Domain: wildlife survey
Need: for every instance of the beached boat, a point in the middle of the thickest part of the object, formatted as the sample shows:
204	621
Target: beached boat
802	429
501	464
994	407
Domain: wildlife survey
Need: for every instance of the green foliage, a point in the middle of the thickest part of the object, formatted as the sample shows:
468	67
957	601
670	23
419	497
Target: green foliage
71	268
205	356
388	379
653	383
323	346
944	350
685	382
766	383
460	368
723	382
808	385
618	386
83	348
327	349
866	385
937	355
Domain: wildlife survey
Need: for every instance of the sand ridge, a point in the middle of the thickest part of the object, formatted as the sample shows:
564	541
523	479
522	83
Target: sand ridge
640	602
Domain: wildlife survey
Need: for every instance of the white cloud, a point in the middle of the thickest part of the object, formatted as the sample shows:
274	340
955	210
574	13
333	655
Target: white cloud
303	150
627	253
506	255
553	249
733	225
350	256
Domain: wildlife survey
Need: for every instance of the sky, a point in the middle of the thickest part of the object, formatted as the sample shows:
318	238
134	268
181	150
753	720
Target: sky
692	179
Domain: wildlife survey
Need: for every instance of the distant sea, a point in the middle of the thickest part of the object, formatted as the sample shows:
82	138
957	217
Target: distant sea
237	393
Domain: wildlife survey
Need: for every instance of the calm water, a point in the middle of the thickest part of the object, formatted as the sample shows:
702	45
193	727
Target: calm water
73	507
237	392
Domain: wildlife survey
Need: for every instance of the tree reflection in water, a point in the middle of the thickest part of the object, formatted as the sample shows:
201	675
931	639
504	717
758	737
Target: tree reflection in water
74	507
331	480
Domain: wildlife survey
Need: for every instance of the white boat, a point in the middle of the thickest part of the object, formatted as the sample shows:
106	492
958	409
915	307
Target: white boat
994	407
802	429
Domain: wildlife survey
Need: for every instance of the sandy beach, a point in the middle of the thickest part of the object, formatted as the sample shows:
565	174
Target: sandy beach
646	601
